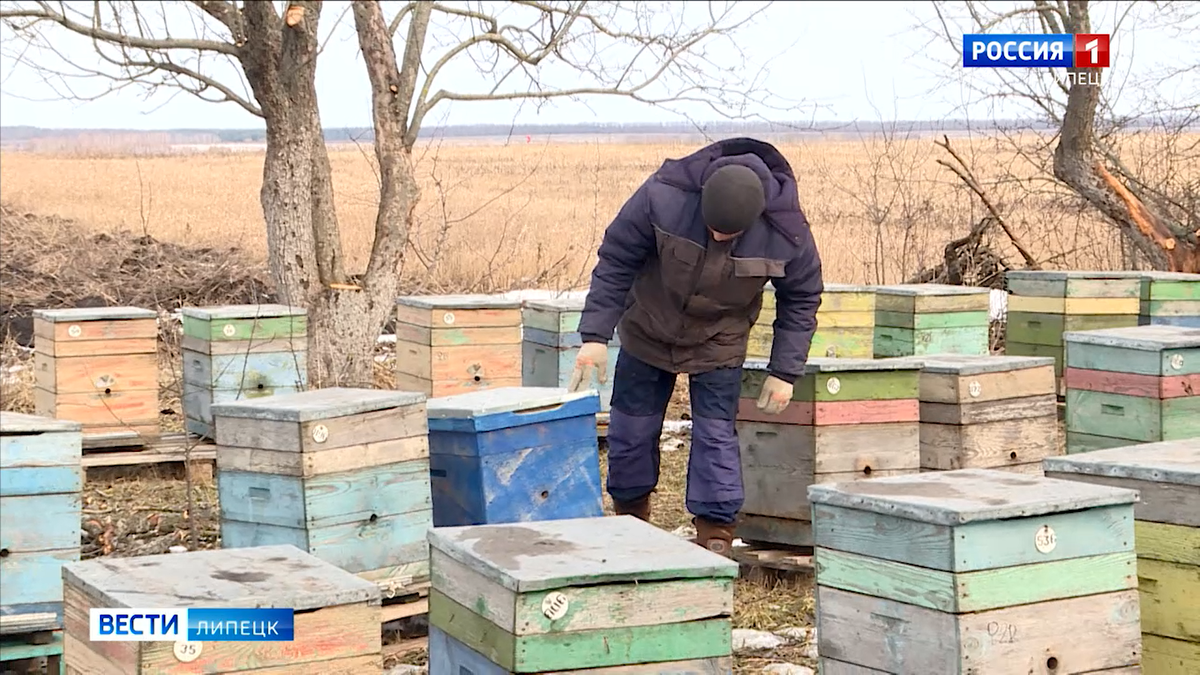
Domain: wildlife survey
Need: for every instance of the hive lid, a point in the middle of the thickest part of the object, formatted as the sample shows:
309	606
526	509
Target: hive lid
500	400
94	314
824	364
280	576
459	302
15	423
1145	338
967	364
1175	462
1060	275
318	404
1156	275
219	312
967	495
535	556
564	304
848	288
931	289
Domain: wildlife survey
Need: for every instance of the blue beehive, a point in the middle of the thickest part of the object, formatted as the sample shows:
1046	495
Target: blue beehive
40	482
551	341
514	454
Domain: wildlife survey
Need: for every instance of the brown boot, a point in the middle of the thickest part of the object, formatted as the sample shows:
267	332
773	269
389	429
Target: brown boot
715	537
639	508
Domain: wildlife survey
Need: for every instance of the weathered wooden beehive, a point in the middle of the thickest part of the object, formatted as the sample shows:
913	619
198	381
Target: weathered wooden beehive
40	485
919	319
514	454
987	412
454	344
1169	298
336	622
1167	534
849	419
1132	385
236	352
98	366
975	571
566	596
340	473
845	323
1042	305
551	342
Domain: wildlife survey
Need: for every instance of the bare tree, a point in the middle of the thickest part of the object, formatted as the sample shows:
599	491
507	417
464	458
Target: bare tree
264	60
1156	208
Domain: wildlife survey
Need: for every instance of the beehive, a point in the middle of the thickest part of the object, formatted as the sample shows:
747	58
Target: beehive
236	352
514	454
1169	298
1167	533
568	595
454	344
336	622
919	319
1132	385
340	473
1042	305
550	330
988	412
845	323
98	366
975	571
849	419
40	482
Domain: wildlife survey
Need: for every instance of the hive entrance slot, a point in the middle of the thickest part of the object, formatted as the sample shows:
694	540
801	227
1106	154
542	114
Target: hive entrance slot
107	391
1052	663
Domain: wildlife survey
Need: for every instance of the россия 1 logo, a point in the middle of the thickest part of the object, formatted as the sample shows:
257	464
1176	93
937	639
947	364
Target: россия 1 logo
1056	50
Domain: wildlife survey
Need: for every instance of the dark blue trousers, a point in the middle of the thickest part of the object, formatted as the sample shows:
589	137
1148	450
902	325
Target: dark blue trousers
639	405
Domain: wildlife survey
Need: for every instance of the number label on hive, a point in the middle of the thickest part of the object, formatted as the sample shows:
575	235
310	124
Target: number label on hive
974	389
320	433
555	605
1177	361
187	651
74	331
228	330
448	318
1045	540
834	385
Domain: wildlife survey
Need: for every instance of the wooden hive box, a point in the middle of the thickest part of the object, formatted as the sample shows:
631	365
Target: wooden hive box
40	482
975	571
565	596
1167	535
98	366
551	342
1044	304
454	344
1132	385
340	473
845	323
988	412
235	352
514	454
1169	298
849	419
919	319
336	613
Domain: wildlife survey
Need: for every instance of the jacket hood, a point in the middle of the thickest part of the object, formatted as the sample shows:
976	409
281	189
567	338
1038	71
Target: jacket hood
779	182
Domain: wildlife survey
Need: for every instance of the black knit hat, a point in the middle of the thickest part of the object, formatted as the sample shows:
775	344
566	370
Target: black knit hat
732	199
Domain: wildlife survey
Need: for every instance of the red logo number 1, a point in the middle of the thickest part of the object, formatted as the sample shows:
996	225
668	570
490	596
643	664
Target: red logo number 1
1091	50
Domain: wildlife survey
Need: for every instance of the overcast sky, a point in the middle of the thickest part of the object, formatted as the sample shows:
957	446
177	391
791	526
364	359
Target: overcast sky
858	60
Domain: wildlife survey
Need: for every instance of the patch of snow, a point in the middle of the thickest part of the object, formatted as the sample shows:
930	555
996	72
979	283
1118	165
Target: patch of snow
998	308
752	640
677	426
788	669
796	633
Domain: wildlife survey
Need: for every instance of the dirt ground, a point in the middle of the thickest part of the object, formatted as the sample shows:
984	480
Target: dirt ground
148	512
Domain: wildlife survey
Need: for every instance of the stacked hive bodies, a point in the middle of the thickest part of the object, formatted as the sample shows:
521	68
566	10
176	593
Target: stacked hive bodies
40	482
1042	305
565	596
454	344
99	367
336	624
514	454
340	473
1132	385
849	419
551	343
919	319
975	571
1170	298
237	352
1167	478
845	323
987	412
